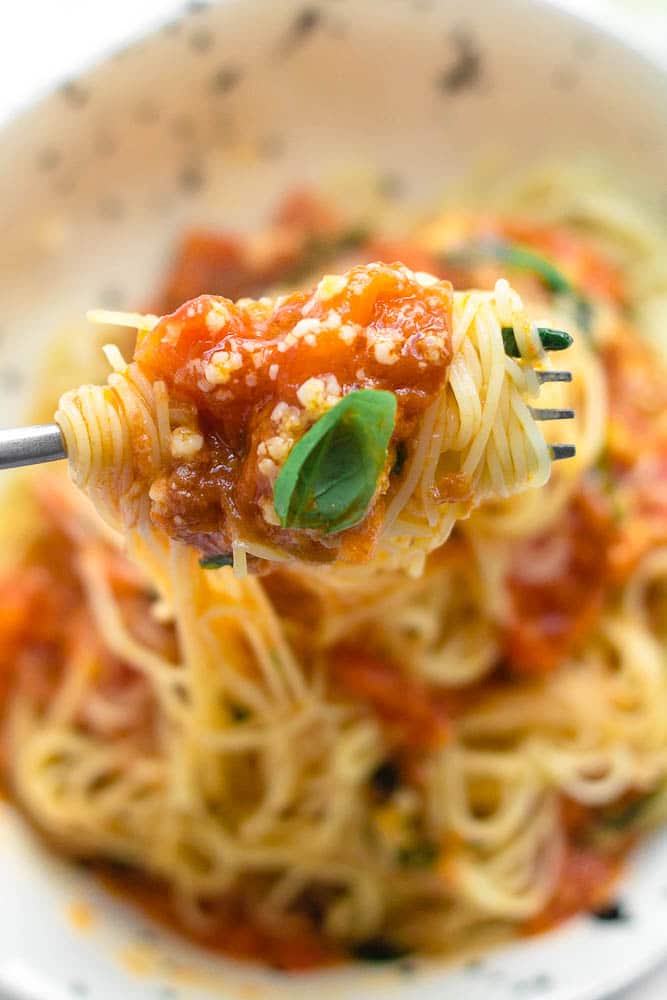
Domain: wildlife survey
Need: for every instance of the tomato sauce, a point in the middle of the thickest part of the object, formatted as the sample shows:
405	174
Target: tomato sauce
553	613
376	327
295	944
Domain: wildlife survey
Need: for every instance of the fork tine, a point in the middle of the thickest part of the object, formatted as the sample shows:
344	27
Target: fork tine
553	376
559	451
550	414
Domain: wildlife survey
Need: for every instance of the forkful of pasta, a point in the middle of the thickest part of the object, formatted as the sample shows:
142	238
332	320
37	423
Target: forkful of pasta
356	421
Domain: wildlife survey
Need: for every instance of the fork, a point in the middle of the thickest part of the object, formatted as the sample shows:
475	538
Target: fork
21	446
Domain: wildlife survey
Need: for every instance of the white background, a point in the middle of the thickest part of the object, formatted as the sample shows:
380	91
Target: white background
43	42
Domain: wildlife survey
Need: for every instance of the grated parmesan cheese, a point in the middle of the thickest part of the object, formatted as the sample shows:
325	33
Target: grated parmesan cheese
217	317
219	369
331	285
319	394
384	350
269	511
185	442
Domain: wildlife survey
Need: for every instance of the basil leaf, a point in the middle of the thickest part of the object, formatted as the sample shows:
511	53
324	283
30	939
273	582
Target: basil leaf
524	259
527	260
215	562
331	474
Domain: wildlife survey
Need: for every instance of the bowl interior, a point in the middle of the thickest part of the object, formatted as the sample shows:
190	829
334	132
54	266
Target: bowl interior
208	121
212	117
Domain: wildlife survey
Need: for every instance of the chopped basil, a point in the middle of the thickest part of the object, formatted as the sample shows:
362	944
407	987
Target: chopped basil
420	855
215	562
632	813
378	950
239	713
331	474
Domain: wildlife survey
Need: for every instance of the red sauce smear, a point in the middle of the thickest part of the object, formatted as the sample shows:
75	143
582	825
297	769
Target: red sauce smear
294	945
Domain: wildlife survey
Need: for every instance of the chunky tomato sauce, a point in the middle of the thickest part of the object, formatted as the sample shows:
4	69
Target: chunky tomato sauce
248	367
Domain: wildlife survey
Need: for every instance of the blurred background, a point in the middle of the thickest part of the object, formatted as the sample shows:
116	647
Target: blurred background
74	33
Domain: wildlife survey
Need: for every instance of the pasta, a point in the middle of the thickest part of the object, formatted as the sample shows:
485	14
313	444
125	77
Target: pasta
241	385
428	744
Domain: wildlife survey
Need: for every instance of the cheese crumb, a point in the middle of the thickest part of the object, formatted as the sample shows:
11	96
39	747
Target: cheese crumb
269	511
285	417
217	317
278	448
158	491
319	394
425	279
219	369
268	469
303	328
185	442
331	285
273	372
384	350
432	349
348	332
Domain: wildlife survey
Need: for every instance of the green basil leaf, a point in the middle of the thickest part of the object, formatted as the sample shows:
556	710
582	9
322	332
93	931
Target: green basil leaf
524	259
423	854
215	562
331	474
527	260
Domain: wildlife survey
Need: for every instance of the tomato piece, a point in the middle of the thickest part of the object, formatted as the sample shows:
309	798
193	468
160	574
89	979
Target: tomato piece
557	585
409	710
586	880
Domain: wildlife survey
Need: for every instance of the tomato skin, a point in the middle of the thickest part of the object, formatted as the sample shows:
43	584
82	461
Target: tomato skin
586	881
380	298
408	709
551	616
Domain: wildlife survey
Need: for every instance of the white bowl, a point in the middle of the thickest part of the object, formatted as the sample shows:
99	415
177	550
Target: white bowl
212	118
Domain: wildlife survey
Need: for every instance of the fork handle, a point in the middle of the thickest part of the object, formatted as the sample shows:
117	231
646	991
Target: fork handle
30	445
